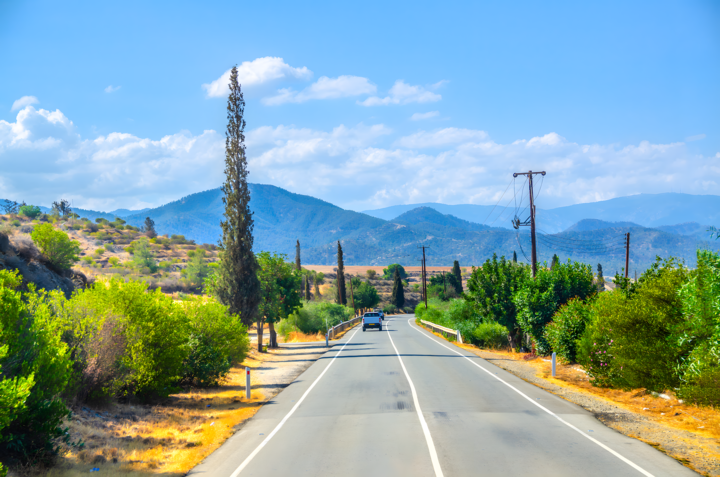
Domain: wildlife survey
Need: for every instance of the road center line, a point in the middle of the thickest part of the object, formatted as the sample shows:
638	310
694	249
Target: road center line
627	461
423	424
287	416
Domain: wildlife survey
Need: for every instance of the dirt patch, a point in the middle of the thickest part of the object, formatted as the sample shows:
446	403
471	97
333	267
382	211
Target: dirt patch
171	437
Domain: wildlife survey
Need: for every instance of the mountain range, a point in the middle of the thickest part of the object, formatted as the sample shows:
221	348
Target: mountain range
394	234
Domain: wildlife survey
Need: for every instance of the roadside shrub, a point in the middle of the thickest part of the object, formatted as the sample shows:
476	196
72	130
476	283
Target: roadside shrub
703	389
491	289
157	333
567	328
420	311
537	300
389	309
31	211
217	342
461	310
56	246
314	317
490	335
90	227
32	353
371	274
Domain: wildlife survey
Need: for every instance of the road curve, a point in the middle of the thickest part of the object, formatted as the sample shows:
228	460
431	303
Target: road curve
401	402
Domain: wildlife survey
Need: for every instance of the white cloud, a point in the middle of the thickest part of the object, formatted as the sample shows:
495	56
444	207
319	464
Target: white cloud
24	101
403	93
43	157
324	88
442	137
421	116
256	72
696	137
112	89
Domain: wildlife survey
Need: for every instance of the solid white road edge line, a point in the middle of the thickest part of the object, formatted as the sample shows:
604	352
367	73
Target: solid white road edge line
287	416
627	461
423	424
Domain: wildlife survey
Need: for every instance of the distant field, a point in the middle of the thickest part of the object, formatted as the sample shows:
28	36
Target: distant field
361	269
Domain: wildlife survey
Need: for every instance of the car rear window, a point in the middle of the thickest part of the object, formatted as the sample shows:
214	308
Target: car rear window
371	314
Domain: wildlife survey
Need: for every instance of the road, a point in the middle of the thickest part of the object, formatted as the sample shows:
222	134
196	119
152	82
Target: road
402	402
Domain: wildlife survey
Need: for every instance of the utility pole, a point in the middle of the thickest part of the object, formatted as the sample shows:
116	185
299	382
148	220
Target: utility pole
352	296
627	253
517	223
424	273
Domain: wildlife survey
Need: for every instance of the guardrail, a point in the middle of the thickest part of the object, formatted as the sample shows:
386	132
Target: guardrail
447	331
343	326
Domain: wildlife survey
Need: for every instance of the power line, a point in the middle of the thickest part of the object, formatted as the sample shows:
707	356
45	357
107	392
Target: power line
503	195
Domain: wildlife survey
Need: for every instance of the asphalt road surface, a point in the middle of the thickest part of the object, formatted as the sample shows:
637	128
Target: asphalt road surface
401	402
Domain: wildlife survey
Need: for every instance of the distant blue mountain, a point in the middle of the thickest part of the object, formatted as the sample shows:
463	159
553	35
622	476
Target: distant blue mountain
648	210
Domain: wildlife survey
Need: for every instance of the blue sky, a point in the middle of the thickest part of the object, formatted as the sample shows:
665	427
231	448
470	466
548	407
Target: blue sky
363	105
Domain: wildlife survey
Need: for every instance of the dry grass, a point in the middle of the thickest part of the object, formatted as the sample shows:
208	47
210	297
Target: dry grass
300	337
167	439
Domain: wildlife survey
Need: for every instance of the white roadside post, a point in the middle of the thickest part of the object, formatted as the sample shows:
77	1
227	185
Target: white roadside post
247	382
554	363
459	337
327	345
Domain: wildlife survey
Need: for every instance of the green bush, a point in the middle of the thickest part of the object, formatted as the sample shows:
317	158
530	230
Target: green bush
217	342
197	269
315	317
537	300
143	257
35	359
491	289
56	246
490	335
30	211
16	223
631	340
157	333
700	332
567	328
389	309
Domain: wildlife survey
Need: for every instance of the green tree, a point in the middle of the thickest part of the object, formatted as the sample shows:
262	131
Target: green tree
30	211
149	228
56	246
397	297
539	299
371	274
366	295
458	276
555	261
514	256
600	278
61	208
197	268
143	256
238	286
298	265
306	277
10	206
341	294
35	364
279	285
318	279
491	289
389	272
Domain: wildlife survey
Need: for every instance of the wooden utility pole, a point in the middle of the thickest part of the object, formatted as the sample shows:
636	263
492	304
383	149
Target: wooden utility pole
627	253
424	273
352	295
517	222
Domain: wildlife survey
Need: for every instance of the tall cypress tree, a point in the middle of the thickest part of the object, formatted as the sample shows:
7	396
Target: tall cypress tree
458	274
600	278
341	297
238	285
298	267
555	261
397	297
307	287
514	256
